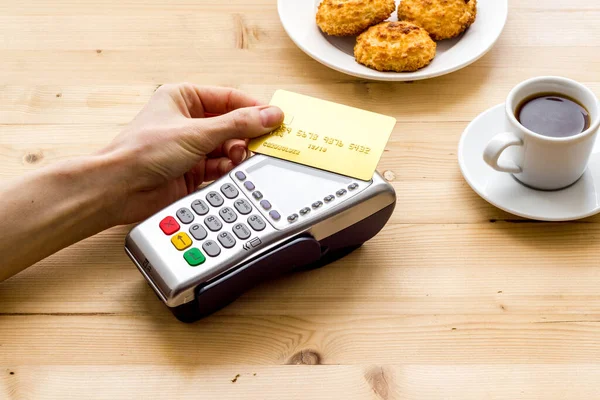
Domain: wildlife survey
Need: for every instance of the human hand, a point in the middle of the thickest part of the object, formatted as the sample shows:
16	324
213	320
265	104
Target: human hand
184	136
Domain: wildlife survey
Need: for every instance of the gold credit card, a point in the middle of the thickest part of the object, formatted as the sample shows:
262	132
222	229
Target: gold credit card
326	135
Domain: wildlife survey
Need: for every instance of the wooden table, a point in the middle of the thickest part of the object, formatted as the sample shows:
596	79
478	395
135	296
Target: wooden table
453	300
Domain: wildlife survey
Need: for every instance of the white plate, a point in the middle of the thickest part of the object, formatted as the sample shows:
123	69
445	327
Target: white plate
299	21
502	190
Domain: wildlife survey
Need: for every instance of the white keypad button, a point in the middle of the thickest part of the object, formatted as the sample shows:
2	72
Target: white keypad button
213	223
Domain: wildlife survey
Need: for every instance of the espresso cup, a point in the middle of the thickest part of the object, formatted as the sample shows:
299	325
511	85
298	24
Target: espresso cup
539	161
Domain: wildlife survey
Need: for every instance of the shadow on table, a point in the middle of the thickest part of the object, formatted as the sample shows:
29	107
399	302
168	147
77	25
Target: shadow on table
544	240
259	327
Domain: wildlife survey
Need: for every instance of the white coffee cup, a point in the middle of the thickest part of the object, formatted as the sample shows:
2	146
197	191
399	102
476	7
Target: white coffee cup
538	161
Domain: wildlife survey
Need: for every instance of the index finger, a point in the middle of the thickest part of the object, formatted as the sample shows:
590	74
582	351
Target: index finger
219	100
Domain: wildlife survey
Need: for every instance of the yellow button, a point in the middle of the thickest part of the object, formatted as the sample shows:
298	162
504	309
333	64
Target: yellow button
181	241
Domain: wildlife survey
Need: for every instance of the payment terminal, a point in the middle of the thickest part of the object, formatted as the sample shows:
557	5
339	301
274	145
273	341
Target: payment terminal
267	217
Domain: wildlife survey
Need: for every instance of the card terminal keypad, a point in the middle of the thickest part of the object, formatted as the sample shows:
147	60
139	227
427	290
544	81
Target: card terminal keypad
181	241
198	232
226	239
304	211
194	257
266	204
200	207
241	231
214	221
215	199
240	175
228	215
229	191
257	195
185	216
169	225
221	227
256	222
242	206
211	248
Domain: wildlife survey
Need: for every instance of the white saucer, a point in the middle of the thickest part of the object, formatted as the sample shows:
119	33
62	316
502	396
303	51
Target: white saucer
503	191
299	21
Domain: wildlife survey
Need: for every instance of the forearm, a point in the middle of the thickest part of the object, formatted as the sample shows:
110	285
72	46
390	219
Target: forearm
161	156
52	208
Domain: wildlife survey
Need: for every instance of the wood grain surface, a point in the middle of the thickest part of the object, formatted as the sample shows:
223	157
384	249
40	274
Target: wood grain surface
454	299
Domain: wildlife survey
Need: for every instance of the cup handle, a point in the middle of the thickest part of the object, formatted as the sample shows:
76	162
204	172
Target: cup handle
494	149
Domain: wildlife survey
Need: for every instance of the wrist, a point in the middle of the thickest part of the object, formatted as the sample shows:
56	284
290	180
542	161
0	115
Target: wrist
55	207
96	186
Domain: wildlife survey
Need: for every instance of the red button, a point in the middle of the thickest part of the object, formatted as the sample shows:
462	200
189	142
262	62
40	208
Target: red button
169	226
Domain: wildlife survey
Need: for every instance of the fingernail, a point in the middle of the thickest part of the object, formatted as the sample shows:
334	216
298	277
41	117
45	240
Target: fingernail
238	154
271	117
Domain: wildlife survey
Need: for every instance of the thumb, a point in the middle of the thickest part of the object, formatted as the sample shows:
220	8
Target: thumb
243	123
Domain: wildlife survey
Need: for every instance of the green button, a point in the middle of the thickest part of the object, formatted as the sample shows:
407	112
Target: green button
194	257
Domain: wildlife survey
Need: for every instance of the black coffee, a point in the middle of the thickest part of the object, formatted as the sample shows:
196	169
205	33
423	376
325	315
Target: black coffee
553	114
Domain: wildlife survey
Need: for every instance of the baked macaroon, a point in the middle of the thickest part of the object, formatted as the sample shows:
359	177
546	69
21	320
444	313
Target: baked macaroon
443	19
351	17
395	46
